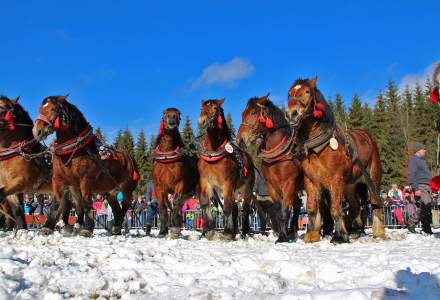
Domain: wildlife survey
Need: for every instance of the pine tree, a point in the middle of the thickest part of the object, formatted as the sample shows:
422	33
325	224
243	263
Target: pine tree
341	115
355	113
367	118
407	115
188	138
394	153
140	155
127	142
100	135
118	140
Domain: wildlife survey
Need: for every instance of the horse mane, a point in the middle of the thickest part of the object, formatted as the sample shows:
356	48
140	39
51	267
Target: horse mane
274	113
436	76
226	130
75	118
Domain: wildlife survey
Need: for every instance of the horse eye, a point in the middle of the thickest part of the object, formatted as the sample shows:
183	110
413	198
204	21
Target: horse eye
307	92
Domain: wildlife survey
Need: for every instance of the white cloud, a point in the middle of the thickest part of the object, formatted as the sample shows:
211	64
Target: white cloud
224	73
412	79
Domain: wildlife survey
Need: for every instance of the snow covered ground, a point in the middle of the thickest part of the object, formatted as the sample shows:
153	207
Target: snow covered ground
131	267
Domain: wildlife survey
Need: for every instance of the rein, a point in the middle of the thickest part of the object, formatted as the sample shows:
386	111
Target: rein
18	149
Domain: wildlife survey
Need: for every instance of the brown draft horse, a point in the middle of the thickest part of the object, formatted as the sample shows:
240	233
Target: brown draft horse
282	172
224	169
77	162
173	172
335	172
19	171
23	166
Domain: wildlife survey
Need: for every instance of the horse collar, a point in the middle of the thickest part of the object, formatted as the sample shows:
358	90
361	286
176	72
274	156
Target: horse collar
213	156
169	156
75	144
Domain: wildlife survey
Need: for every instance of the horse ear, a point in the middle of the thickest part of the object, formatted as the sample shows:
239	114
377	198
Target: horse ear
262	100
221	101
203	102
62	98
15	101
313	81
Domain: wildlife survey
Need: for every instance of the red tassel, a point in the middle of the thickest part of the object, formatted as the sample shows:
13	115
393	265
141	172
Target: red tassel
319	106
136	176
435	97
317	114
245	171
261	119
11	126
57	123
269	123
220	122
161	128
8	117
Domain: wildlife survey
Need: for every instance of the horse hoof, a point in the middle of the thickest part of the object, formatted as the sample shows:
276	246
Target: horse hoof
116	230
21	233
292	237
281	240
67	230
46	231
212	235
340	239
312	237
85	233
174	233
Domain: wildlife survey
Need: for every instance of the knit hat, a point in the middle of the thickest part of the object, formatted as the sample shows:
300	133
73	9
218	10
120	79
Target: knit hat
417	147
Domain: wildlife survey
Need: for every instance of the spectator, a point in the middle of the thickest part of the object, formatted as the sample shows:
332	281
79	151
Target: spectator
139	209
153	207
396	198
189	212
419	177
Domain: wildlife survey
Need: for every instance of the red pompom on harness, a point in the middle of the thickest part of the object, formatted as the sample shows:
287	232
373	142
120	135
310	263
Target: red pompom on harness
220	122
435	97
161	127
136	176
434	183
10	120
266	121
59	125
318	110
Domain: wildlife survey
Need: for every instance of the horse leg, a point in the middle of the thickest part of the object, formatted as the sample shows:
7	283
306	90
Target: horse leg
89	220
314	216
17	210
261	211
54	212
378	227
296	208
176	214
162	199
206	193
228	210
337	195
324	210
117	213
245	227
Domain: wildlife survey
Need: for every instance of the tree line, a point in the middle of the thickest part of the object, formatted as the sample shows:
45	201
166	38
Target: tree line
396	120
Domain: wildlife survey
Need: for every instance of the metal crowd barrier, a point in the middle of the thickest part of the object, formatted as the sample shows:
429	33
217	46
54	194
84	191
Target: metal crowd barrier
395	216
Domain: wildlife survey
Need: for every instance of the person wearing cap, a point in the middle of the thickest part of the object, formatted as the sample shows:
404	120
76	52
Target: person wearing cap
419	177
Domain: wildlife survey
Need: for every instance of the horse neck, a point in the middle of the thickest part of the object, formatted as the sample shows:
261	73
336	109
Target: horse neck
169	140
214	139
10	138
309	128
76	128
274	138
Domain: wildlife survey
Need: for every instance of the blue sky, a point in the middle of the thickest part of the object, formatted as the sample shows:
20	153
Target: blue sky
124	62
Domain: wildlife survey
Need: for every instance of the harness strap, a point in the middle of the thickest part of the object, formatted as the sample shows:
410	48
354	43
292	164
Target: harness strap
168	156
16	149
75	144
216	155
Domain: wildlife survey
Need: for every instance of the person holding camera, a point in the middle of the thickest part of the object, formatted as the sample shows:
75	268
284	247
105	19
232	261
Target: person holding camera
419	177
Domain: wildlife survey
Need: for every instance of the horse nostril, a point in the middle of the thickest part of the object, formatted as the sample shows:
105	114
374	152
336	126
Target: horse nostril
293	113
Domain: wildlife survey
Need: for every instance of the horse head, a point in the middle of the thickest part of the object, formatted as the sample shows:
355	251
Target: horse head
11	112
52	117
171	118
304	101
259	117
211	115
